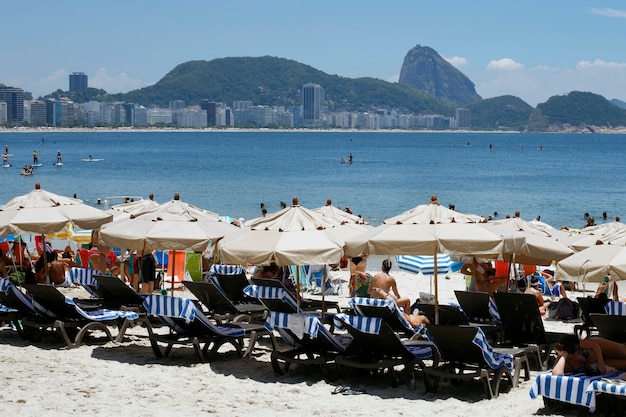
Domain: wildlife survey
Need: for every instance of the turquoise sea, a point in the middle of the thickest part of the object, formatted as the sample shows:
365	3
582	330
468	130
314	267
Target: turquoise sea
556	176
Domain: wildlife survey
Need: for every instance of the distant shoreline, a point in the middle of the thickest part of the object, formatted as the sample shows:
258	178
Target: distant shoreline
599	130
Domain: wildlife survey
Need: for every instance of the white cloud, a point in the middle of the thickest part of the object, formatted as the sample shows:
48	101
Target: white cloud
58	80
394	78
504	64
609	12
456	61
120	83
599	64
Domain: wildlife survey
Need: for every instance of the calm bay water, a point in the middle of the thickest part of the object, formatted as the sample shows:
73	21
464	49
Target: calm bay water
556	176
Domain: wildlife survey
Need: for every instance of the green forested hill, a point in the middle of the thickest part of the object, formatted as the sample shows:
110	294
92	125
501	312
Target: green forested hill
504	112
576	109
278	81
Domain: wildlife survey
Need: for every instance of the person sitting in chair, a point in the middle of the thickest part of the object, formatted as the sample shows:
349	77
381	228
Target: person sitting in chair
383	286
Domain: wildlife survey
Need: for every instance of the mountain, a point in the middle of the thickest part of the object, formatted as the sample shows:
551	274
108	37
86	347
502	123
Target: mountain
504	112
576	111
277	81
424	69
618	103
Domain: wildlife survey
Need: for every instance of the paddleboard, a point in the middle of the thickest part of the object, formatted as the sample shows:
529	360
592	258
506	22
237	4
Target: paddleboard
58	164
35	165
7	166
92	159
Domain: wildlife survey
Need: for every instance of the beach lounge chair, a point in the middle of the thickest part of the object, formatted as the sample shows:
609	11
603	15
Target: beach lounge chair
72	322
575	389
448	315
224	269
589	305
476	306
615	308
386	310
175	273
116	294
465	353
306	304
232	285
193	266
610	326
305	341
375	346
522	325
221	308
190	326
85	278
32	317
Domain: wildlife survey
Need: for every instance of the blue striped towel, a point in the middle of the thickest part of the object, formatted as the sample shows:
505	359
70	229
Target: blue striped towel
493	310
167	307
493	359
102	314
615	308
571	389
614	386
356	302
270	293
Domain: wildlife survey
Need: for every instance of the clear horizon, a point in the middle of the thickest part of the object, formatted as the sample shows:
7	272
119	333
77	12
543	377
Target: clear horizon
532	50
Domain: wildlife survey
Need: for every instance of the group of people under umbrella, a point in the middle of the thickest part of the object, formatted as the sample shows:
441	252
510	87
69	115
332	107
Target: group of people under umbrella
296	235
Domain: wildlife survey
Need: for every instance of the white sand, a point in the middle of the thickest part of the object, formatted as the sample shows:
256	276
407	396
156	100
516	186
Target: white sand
47	379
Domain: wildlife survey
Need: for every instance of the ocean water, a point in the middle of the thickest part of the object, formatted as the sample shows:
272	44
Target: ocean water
556	176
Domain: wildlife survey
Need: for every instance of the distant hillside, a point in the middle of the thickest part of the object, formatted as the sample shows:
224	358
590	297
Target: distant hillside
575	111
278	81
424	69
618	103
504	112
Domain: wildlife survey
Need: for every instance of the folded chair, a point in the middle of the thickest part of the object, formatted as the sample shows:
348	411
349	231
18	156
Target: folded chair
386	310
305	341
73	322
589	305
465	353
220	307
376	347
190	326
522	325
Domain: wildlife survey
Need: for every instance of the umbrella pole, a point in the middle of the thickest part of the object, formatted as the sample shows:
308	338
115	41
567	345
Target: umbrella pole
436	290
323	293
298	286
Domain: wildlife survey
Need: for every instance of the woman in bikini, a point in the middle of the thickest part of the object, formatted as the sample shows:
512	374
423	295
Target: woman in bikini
592	356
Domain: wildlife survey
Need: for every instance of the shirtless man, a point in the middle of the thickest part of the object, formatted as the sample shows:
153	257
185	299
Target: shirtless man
383	287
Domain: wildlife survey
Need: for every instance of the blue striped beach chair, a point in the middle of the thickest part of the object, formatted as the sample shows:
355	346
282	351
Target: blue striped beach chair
386	310
274	298
576	389
85	278
376	346
190	326
615	308
223	270
478	307
465	353
305	341
31	315
69	315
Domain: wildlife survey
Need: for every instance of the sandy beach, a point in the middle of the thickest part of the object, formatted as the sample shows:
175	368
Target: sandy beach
48	379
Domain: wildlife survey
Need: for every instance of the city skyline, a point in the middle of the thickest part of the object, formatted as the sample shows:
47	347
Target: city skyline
533	50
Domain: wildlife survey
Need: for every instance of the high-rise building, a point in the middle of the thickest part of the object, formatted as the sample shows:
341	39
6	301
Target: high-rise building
312	101
463	118
38	113
14	97
78	81
211	112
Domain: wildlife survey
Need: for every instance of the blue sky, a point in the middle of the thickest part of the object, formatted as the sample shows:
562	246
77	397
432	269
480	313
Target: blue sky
531	49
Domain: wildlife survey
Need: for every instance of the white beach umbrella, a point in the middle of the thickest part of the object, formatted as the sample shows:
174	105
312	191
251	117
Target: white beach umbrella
338	214
43	212
174	225
431	213
460	239
593	264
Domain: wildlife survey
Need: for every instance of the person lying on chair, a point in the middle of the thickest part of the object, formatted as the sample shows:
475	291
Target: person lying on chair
592	356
